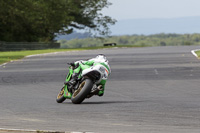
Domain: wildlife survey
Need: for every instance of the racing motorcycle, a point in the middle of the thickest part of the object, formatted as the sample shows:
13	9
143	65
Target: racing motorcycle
87	84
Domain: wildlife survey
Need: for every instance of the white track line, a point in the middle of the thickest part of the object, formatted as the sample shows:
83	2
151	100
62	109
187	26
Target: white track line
29	131
3	64
36	131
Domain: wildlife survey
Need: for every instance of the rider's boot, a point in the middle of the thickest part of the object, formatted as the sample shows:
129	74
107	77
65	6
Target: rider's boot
101	90
101	93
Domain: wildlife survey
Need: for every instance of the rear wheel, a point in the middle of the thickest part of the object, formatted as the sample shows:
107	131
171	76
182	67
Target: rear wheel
60	98
83	90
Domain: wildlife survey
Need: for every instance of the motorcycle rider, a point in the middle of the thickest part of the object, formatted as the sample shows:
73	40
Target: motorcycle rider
101	58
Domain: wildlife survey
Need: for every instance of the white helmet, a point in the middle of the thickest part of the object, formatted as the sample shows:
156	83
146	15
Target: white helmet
101	57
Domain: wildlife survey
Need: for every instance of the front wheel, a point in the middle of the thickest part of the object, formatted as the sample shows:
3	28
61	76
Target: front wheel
83	90
60	98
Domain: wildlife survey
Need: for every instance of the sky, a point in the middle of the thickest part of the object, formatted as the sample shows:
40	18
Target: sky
140	9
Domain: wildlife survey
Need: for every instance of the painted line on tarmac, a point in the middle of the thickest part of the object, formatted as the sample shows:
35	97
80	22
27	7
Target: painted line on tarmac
29	131
16	130
193	52
3	64
5	130
52	53
35	55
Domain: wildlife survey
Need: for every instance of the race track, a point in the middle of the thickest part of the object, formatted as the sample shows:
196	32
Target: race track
150	90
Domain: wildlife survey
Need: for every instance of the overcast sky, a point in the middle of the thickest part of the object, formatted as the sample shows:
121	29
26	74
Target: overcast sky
134	9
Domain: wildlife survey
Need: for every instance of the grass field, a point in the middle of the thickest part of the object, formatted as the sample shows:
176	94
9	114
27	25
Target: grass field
14	55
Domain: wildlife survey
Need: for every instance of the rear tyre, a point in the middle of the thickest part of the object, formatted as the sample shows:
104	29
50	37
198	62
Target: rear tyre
81	93
60	98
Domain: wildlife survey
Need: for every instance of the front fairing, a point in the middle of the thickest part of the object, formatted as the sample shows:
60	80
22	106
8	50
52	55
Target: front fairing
96	69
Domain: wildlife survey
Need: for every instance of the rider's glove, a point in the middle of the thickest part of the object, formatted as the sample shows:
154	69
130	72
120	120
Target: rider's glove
72	64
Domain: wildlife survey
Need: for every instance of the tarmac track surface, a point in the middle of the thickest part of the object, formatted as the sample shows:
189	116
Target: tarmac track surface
150	90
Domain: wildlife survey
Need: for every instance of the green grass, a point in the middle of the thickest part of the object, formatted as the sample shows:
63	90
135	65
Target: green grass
198	53
15	55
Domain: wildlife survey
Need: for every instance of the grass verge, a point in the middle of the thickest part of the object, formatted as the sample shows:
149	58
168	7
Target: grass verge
15	55
198	53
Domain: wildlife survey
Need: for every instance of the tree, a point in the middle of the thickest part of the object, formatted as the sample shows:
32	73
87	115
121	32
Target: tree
42	20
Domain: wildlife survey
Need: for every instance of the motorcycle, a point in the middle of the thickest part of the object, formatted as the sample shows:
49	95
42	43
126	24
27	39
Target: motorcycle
87	84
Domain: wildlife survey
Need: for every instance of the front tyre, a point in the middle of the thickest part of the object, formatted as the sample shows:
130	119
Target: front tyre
60	98
83	90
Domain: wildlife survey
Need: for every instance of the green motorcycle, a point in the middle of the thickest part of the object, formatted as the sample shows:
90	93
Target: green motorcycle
87	84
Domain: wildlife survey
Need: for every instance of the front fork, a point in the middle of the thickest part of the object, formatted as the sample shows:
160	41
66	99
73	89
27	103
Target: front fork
67	94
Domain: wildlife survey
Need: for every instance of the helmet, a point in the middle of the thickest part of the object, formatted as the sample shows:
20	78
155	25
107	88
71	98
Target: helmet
101	57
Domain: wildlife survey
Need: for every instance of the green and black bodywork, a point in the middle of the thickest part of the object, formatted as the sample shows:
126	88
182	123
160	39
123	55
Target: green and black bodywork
88	84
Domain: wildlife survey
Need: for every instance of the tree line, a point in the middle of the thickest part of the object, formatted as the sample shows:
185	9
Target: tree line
136	40
42	20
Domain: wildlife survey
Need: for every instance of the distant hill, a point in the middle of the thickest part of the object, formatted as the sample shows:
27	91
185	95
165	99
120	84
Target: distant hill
185	25
154	26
